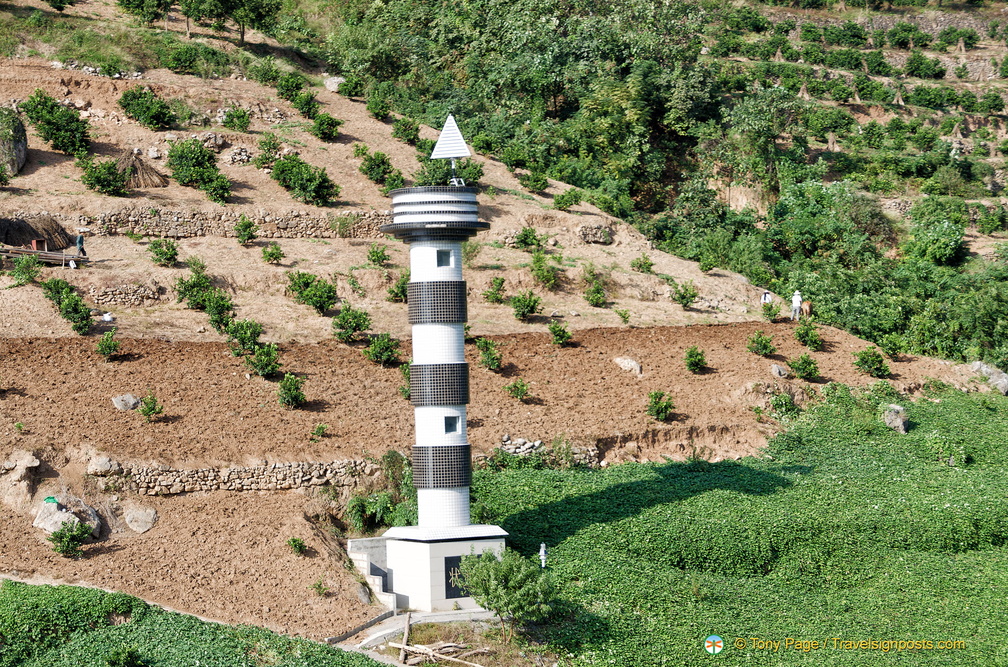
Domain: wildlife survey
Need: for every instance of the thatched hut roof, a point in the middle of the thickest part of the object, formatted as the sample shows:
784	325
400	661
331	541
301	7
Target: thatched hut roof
142	175
20	232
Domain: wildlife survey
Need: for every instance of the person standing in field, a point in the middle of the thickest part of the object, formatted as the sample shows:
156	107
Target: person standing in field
796	301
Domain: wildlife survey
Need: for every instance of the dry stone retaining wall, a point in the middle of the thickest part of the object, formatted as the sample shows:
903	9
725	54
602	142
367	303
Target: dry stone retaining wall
123	295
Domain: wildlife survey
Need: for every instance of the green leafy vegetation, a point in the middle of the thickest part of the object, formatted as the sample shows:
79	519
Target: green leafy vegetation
164	252
325	127
245	230
103	176
378	254
107	345
525	305
236	119
69	303
490	354
306	183
559	335
26	270
695	359
495	293
871	362
290	393
543	272
272	253
264	360
69	537
298	546
399	292
807	333
144	106
312	290
60	126
642	264
350	322
383	350
761	344
804	367
658	406
519	389
195	166
243	337
149	407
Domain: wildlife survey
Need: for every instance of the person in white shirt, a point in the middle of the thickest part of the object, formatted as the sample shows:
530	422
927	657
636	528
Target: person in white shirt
796	300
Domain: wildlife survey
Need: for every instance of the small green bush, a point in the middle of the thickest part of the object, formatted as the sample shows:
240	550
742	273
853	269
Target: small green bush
527	238
74	310
325	127
525	305
264	71
378	106
559	334
353	86
623	314
807	333
236	119
543	272
534	181
144	106
272	253
658	406
125	656
245	230
377	167
298	546
26	269
495	293
306	104
269	150
243	337
149	407
771	311
384	350
404	389
60	126
195	166
290	393
105	178
804	367
289	85
518	389
685	294
642	264
378	254
784	406
193	290
490	354
568	198
69	537
164	252
696	360
264	359
349	323
761	344
470	251
312	290
595	295
406	129
870	361
108	346
308	184
399	292
220	309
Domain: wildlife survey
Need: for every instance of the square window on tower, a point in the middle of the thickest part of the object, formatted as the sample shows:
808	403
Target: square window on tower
451	424
444	258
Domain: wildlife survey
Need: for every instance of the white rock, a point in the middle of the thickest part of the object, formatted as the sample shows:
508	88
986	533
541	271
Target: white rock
125	402
51	516
628	364
140	519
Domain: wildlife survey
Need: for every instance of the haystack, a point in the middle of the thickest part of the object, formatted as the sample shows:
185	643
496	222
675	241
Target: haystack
142	175
19	232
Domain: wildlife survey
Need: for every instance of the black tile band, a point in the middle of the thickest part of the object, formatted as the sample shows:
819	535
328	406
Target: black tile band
439	384
437	302
447	467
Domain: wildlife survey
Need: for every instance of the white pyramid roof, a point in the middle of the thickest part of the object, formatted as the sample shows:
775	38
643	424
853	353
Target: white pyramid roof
450	144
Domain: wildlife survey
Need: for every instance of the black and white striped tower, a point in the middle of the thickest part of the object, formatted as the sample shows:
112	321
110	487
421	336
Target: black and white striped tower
434	221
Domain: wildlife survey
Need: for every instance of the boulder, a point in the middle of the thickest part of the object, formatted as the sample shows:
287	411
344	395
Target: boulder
126	402
895	417
363	594
628	364
598	233
333	83
140	519
19	462
102	465
51	516
17	479
779	371
13	142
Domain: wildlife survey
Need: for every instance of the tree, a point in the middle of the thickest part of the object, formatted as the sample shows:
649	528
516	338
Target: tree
511	586
760	120
258	14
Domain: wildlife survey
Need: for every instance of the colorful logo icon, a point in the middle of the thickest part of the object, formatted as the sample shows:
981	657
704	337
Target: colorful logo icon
713	644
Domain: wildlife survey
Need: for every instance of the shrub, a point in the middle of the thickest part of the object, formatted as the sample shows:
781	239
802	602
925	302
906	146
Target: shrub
306	104
125	656
243	337
313	291
470	251
149	407
568	198
517	590
105	178
404	389
658	406
320	588
696	360
378	106
534	181
923	67
164	252
264	359
325	127
298	546
308	184
377	254
804	367
892	345
807	333
528	238
595	295
623	314
74	310
642	264
685	294
272	253
26	269
237	119
495	293
399	292
290	393
870	361
559	333
353	86
245	230
264	71
525	305
543	272
195	166
4	175
218	306
384	350
269	149
406	129
783	406
490	355
289	85
194	289
377	167
761	344
69	537
771	311
62	127
108	346
319	432
56	290
518	389
350	322
144	106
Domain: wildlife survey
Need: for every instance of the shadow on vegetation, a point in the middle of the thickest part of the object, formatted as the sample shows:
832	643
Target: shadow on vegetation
554	522
570	625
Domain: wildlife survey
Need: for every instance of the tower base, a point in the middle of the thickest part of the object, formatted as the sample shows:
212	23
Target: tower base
410	567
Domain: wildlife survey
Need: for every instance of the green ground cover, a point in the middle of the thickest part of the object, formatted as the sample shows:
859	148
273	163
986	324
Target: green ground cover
850	531
65	626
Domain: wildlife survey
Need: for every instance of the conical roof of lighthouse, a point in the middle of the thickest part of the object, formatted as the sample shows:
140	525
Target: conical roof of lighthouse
450	144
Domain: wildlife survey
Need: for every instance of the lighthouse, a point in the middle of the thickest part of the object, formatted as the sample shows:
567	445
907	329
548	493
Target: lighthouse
419	561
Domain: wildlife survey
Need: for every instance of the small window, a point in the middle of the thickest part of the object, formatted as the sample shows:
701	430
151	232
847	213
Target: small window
444	257
451	424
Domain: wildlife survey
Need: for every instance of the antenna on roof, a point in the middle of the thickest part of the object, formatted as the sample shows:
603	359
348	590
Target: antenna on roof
451	145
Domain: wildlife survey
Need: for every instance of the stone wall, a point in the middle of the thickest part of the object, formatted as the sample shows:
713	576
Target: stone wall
162	480
124	295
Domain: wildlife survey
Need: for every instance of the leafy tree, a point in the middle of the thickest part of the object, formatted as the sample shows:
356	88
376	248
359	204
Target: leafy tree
236	118
807	334
383	350
290	392
760	120
512	587
761	344
559	334
804	367
144	106
495	293
61	126
490	354
525	305
658	406
870	361
26	269
243	336
104	177
350	322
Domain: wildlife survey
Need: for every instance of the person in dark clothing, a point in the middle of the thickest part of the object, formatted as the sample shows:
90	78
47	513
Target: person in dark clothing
80	245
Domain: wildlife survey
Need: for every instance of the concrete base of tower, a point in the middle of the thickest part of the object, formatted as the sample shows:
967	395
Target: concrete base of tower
416	564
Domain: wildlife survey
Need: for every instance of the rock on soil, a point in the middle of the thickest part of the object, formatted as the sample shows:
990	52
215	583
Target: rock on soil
895	417
628	364
52	516
140	520
126	402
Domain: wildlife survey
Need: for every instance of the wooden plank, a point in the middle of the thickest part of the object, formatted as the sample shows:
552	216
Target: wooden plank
405	639
428	652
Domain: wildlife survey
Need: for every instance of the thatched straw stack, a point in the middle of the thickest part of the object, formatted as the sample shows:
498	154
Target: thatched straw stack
142	175
19	232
